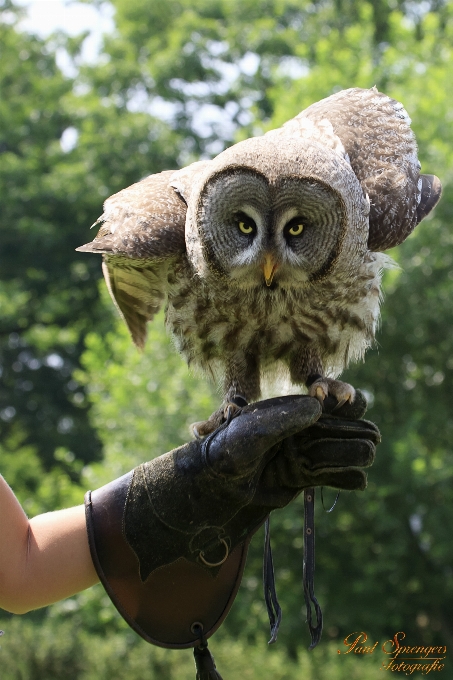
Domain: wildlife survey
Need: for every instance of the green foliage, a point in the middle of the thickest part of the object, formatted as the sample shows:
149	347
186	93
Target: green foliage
39	288
40	491
61	651
178	80
50	196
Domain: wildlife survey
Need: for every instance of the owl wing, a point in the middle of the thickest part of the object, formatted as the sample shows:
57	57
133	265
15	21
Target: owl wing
375	132
142	229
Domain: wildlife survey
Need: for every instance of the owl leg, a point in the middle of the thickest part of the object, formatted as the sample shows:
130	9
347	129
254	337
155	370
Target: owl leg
242	378
306	369
241	385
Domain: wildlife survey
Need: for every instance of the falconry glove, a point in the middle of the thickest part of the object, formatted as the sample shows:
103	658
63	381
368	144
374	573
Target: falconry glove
169	539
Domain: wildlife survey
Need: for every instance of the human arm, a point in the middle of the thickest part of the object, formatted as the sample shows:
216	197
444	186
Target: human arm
44	559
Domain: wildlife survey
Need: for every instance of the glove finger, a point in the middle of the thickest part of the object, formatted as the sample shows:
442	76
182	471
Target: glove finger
257	429
331	427
347	479
332	453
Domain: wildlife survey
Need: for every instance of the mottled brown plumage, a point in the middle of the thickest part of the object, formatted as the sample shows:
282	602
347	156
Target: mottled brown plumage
271	254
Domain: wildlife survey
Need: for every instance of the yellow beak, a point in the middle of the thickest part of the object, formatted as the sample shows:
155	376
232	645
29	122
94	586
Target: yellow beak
269	269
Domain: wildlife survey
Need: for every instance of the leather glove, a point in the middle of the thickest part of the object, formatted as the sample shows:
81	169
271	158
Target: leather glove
169	539
203	498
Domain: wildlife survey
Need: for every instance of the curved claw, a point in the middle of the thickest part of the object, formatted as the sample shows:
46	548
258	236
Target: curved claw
203	428
340	404
230	409
320	394
195	432
319	391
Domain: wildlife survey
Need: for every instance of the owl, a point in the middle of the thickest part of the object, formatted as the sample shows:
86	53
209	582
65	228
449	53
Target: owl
268	258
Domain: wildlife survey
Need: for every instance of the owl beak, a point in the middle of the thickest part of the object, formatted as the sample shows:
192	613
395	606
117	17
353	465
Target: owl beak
269	269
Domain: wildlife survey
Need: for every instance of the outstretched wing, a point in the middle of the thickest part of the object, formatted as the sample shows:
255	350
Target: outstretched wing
142	232
375	132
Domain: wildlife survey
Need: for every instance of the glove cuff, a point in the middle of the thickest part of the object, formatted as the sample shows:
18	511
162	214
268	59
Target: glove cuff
164	606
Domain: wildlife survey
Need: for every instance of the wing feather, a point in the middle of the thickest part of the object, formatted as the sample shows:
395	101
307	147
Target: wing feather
146	220
138	291
141	234
376	134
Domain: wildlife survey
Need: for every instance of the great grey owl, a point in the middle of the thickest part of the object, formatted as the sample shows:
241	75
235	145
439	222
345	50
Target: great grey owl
271	253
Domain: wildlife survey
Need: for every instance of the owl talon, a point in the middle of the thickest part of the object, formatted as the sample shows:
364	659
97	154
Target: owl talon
230	410
340	404
195	432
323	387
319	390
203	428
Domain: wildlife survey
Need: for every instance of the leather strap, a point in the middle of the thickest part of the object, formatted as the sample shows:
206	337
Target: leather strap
274	610
309	568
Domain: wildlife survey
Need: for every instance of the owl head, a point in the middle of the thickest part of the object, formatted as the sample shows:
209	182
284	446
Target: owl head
271	213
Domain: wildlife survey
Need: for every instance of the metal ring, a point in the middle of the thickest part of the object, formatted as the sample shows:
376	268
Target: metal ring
215	564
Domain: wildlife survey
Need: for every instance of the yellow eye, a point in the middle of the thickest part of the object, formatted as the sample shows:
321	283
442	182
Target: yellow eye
246	227
245	223
296	230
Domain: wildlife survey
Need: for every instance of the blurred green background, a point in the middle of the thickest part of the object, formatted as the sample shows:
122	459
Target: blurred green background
175	81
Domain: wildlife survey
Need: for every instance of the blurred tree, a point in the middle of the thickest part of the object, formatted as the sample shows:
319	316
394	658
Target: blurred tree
61	154
59	650
39	291
178	80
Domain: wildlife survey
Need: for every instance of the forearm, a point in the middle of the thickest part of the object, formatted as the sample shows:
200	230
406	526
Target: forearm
42	560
